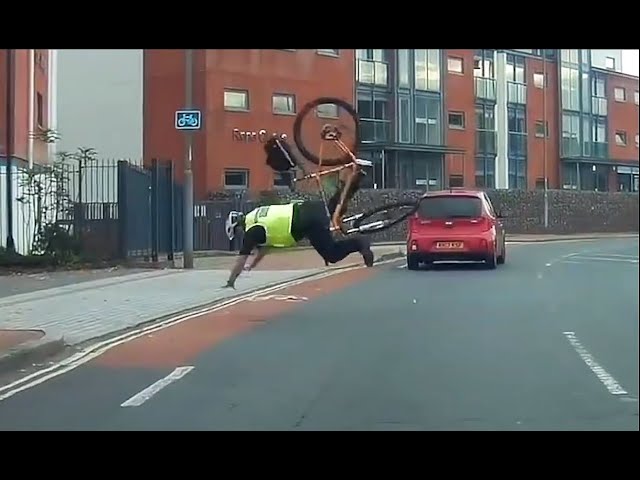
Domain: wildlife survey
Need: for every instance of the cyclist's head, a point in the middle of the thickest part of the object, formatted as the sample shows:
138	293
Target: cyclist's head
234	221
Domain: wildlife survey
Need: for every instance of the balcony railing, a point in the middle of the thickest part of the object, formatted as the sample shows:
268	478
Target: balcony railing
517	93
485	88
370	72
599	106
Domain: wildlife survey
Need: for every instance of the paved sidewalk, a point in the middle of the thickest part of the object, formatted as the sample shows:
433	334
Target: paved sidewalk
73	314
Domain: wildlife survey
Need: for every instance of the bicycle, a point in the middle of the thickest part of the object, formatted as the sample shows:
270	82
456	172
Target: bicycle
393	213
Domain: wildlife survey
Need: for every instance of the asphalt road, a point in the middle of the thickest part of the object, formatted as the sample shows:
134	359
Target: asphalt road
548	341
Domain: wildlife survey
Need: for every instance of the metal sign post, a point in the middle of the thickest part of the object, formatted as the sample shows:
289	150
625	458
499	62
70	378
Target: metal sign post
188	120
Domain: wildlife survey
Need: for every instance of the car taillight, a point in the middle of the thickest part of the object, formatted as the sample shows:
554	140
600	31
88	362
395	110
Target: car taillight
414	246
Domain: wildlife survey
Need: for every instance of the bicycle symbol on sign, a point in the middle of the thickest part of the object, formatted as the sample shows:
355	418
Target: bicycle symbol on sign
188	120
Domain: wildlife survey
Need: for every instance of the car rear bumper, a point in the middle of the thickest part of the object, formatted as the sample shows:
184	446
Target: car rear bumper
474	247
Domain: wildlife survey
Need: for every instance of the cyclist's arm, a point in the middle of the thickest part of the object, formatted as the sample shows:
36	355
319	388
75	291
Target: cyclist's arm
253	238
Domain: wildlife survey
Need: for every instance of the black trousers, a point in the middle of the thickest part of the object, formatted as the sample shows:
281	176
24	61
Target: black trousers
310	221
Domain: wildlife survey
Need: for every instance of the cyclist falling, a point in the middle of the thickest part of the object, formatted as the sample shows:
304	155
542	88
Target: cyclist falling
284	226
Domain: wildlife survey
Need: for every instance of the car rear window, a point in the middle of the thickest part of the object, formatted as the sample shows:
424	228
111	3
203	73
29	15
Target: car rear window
450	207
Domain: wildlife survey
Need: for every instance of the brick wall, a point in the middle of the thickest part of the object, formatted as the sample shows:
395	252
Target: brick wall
570	212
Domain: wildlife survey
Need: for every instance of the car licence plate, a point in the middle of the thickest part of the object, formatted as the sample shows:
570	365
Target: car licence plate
449	245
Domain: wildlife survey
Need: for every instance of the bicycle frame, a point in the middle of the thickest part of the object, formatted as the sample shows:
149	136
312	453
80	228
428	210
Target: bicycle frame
355	166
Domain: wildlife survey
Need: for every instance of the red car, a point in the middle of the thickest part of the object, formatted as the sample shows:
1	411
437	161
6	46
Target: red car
455	225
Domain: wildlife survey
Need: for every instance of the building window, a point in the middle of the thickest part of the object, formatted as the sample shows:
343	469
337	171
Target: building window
542	129
517	146
404	119
485	125
404	68
282	179
427	120
621	138
39	110
373	110
620	94
570	82
236	179
456	181
539	80
456	120
636	97
610	63
327	110
455	65
483	64
515	70
637	137
427	70
569	56
485	171
598	86
517	118
570	134
283	104
372	67
236	100
331	52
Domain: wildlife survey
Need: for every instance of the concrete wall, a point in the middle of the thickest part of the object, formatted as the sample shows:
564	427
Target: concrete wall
99	101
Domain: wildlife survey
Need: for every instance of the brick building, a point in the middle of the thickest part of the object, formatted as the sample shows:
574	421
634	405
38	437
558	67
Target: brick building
430	118
499	119
241	94
31	104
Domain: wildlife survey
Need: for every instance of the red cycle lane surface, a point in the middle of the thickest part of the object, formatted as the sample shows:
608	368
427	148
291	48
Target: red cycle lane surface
179	344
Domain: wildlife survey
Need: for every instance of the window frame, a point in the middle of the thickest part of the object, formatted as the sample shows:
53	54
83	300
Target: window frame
459	114
456	60
230	108
234	171
287	96
616	90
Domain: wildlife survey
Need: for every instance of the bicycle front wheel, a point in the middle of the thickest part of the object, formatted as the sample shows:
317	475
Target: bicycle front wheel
344	118
381	218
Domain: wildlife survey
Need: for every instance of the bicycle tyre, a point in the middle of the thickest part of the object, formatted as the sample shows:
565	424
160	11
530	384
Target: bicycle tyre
360	225
297	132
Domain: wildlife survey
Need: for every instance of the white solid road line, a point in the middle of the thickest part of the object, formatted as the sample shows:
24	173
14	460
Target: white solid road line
139	398
612	385
100	348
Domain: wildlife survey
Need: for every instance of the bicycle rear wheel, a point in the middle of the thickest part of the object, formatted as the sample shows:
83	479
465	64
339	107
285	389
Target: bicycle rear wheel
381	218
336	158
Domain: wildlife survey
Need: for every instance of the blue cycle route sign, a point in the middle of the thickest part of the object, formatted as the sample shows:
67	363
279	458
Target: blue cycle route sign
188	120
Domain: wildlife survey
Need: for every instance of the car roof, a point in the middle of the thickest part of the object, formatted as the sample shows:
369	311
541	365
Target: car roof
454	192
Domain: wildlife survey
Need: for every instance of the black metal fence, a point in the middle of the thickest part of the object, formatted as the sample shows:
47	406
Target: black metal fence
118	209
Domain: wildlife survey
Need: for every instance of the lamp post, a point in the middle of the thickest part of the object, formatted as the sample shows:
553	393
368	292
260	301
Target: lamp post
9	130
188	172
544	144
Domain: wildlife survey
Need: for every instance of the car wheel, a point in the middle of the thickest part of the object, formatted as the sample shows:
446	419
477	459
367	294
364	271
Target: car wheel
491	262
413	262
503	258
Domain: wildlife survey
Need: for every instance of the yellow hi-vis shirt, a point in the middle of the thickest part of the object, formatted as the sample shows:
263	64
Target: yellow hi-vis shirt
276	221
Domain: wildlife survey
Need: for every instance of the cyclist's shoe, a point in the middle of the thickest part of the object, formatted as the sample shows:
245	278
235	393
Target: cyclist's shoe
366	252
